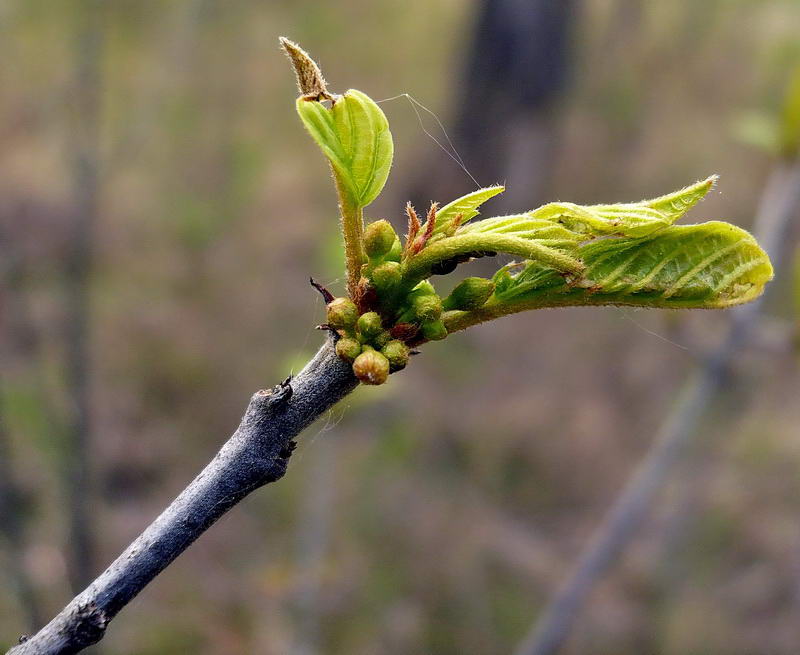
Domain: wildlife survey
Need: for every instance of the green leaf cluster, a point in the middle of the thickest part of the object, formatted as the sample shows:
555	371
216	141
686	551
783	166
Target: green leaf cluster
566	254
632	254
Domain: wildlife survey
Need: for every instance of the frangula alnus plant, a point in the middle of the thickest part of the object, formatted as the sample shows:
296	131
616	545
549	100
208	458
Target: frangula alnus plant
620	254
623	254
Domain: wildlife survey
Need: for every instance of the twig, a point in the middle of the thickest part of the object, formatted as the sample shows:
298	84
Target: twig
327	296
779	203
255	455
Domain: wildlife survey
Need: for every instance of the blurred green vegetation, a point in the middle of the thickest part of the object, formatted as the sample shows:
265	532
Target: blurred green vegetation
458	494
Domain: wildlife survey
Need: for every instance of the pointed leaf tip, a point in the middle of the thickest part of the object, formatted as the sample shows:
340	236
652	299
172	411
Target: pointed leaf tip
636	219
674	205
466	207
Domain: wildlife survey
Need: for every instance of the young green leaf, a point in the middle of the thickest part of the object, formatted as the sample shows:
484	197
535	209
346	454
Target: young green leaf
674	205
466	207
551	234
525	226
354	135
627	219
710	265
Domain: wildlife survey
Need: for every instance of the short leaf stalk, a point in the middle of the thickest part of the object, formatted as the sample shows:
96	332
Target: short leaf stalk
352	220
620	254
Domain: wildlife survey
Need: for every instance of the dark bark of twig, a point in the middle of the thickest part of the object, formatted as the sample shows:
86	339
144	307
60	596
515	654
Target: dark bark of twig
779	204
84	162
255	455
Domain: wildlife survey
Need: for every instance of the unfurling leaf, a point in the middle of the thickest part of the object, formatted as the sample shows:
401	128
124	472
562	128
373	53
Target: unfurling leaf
709	265
354	135
552	234
525	226
463	209
627	219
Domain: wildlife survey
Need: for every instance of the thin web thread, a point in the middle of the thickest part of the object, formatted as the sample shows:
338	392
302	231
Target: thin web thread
628	317
451	150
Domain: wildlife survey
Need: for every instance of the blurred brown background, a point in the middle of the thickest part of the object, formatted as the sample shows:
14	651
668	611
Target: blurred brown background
161	211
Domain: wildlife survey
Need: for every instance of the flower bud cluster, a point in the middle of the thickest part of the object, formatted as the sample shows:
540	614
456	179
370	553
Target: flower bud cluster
365	342
376	335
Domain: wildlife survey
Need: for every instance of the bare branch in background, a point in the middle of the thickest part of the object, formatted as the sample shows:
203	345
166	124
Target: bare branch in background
779	204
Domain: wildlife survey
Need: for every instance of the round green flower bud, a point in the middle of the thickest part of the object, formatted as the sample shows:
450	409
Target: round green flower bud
342	313
348	348
427	308
397	354
470	293
386	277
424	288
371	367
379	238
369	326
395	252
434	330
380	340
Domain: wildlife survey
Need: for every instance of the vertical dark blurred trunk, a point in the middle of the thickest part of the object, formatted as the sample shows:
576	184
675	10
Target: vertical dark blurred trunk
516	68
84	111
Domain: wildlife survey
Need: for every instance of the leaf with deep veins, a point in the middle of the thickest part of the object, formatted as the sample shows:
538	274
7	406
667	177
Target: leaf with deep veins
354	136
526	226
710	265
627	219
